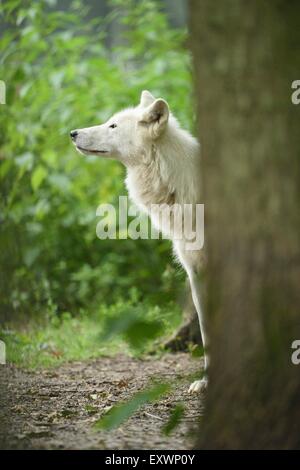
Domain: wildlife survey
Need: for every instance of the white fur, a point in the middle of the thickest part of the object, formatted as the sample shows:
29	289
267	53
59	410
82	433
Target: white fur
163	167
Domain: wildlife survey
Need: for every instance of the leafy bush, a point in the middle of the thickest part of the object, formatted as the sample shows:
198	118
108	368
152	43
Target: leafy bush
124	325
60	74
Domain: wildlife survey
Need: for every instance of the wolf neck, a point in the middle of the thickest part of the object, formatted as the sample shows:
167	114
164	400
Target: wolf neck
168	173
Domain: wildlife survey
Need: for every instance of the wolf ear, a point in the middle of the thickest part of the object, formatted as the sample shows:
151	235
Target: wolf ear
146	99
156	117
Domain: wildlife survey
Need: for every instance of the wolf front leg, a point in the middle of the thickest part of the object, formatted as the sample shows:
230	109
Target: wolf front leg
199	385
191	261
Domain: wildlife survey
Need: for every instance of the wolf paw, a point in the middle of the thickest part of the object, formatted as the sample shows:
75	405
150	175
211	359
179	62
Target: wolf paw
198	386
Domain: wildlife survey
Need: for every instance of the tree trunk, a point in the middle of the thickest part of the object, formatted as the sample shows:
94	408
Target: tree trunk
246	56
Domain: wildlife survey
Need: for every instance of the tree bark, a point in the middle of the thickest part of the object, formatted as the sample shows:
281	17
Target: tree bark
246	56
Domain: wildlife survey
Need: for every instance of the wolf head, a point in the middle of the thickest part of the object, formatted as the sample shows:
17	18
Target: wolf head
126	134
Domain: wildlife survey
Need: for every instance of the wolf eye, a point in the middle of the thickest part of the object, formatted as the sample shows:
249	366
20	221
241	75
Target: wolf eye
113	126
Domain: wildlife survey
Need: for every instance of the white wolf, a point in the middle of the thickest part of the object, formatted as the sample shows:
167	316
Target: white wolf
163	168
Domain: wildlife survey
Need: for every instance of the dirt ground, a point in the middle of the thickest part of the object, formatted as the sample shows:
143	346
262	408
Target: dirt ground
57	408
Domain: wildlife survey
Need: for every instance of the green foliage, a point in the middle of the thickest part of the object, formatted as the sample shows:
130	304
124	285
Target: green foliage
89	334
174	419
60	74
64	338
120	413
132	323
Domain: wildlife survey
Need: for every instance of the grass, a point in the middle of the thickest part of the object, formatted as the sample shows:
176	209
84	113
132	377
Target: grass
130	328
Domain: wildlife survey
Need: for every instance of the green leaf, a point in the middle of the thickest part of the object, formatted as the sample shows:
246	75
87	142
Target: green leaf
50	157
120	413
60	182
25	161
174	419
38	176
141	331
133	327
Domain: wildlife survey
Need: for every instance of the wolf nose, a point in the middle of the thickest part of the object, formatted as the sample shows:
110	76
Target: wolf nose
73	134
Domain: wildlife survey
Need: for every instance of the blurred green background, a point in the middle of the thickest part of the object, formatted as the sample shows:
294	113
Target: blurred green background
64	69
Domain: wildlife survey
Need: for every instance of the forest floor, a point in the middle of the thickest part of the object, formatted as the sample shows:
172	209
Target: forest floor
58	408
